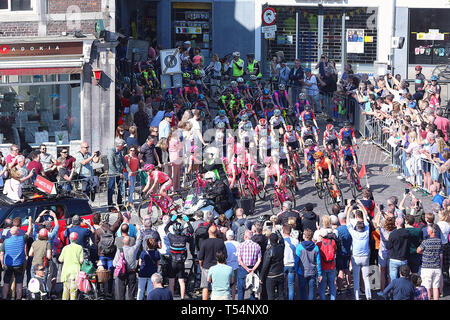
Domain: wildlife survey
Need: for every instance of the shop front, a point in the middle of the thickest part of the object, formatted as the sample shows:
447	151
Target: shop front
41	92
192	21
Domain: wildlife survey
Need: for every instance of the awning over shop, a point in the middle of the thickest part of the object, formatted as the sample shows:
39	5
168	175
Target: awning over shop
38	71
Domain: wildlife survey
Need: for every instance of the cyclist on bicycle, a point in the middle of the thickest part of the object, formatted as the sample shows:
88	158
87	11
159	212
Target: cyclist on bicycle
265	100
236	105
232	171
261	136
243	88
272	170
157	177
324	170
308	115
191	92
178	251
348	156
245	161
248	110
309	150
234	87
281	97
347	134
300	105
222	118
308	132
330	138
254	89
201	104
291	142
245	131
225	99
277	121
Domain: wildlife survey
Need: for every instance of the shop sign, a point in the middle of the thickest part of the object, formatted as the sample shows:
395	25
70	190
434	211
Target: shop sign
432	34
188	30
204	25
40	49
197	15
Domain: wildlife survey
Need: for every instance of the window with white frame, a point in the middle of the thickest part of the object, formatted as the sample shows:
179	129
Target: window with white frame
17	5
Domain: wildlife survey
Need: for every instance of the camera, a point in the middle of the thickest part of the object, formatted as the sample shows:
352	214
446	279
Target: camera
406	191
97	153
381	207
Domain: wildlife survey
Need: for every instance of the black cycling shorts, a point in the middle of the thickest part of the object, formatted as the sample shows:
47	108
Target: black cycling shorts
278	126
176	269
294	145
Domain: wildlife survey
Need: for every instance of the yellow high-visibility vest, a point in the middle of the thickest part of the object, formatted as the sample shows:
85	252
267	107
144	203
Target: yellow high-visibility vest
236	71
251	66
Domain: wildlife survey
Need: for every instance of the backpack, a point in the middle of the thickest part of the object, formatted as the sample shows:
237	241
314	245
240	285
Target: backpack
121	267
201	233
106	245
327	251
241	228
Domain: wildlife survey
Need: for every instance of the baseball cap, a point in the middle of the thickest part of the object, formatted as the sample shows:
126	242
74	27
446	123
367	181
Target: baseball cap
229	234
187	42
147	220
168	115
307	69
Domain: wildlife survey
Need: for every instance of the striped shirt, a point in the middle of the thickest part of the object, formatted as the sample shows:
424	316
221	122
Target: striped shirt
249	252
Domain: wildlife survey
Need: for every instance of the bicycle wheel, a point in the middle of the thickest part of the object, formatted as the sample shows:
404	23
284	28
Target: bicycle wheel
155	211
328	201
319	189
275	205
353	184
261	193
289	195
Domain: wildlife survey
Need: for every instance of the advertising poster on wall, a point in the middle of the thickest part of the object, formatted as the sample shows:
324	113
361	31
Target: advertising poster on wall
355	40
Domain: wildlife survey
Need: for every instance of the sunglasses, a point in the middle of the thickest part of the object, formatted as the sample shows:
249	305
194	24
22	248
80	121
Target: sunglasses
63	152
85	147
41	269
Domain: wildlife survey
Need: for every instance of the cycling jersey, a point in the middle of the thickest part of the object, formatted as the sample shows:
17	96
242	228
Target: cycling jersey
348	154
249	113
189	90
309	153
272	171
300	106
276	122
347	134
308	133
261	131
323	164
330	136
218	119
268	113
159	176
242	88
307	115
291	137
282	98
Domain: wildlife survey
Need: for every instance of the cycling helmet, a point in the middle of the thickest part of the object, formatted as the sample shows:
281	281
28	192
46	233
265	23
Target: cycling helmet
309	123
248	106
301	95
221	125
186	75
177	227
192	83
244	117
308	142
318	154
277	112
329	127
346	124
434	77
149	167
307	108
281	87
210	175
239	80
201	97
236	54
252	77
248	126
222	112
418	67
262	122
233	83
289	127
267	160
265	91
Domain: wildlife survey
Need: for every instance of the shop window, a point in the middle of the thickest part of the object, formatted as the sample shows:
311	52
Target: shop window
192	22
17	5
34	111
285	36
429	41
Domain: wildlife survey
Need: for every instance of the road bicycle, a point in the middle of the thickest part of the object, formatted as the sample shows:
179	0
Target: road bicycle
279	196
352	176
326	192
156	206
333	156
295	163
250	186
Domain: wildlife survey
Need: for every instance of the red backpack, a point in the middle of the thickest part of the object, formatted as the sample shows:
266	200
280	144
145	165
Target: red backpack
327	250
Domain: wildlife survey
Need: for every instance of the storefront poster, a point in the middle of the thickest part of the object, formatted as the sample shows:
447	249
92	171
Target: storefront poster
355	40
284	39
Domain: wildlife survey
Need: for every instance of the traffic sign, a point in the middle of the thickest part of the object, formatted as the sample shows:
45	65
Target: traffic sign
269	16
170	61
271	28
269	35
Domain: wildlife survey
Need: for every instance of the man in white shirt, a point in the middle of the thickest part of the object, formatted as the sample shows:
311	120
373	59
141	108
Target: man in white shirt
164	126
290	243
312	90
232	260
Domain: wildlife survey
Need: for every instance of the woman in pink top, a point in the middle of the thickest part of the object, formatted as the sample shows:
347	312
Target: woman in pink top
133	162
157	177
175	162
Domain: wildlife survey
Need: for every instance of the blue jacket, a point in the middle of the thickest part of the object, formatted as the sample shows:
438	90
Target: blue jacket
306	253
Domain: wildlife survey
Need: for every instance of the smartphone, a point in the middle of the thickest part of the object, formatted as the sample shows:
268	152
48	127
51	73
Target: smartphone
352	202
406	191
381	207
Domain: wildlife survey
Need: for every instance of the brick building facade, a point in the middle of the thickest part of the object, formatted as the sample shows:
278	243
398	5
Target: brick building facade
47	88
